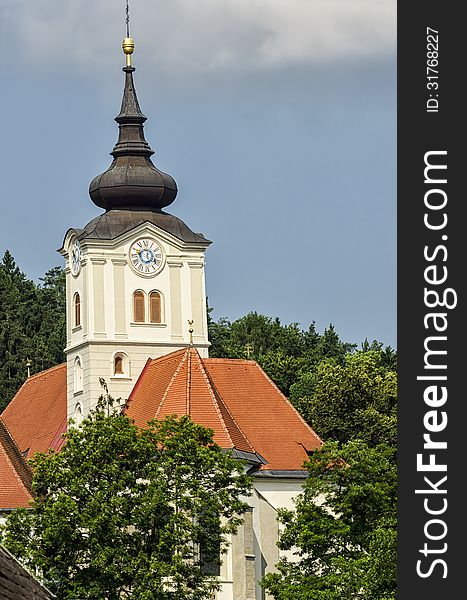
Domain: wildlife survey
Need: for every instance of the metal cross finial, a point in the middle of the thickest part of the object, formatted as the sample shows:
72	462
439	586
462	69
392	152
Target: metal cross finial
190	330
249	349
28	364
128	43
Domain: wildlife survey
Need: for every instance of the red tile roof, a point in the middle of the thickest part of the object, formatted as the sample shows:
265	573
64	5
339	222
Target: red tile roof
15	473
37	415
266	417
235	398
177	384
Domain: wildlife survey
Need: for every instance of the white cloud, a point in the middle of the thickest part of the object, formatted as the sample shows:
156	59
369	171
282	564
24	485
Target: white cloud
204	35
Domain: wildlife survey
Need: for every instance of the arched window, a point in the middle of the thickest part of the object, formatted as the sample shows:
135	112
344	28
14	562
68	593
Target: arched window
78	376
118	365
78	414
155	308
77	309
138	307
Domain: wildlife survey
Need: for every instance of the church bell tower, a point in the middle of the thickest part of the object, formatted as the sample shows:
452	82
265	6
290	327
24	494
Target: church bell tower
134	274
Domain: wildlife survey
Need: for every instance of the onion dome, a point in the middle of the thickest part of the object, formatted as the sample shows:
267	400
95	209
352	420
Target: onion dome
132	182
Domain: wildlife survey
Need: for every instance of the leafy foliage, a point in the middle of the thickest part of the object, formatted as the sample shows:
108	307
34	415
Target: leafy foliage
285	352
123	511
341	392
356	399
342	532
143	513
32	325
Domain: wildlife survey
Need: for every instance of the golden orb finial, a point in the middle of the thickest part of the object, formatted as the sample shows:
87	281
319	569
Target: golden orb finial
128	46
191	330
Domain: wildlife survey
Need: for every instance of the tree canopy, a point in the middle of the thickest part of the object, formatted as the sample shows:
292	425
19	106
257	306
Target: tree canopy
342	392
355	399
32	325
119	510
285	352
343	529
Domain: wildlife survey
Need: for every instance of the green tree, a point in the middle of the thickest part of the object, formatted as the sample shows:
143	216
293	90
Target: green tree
285	352
356	399
219	334
388	355
17	317
143	513
52	310
32	325
342	532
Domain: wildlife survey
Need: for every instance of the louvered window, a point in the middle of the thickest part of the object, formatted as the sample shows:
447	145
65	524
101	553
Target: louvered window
155	312
138	307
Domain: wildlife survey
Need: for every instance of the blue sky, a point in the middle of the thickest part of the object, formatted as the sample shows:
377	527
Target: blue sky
276	118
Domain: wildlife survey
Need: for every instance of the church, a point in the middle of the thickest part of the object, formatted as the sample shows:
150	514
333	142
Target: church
136	316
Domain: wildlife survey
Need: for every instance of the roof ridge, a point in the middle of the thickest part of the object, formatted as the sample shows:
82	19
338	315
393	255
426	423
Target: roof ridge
171	382
188	384
135	387
33	377
46	371
21	470
37	410
213	396
236	360
271	382
165	357
219	400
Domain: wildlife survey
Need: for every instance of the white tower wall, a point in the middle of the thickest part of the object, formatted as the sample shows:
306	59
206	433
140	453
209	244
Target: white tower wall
106	283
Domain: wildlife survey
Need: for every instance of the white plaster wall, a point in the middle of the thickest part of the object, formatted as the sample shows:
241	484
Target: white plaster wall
268	496
280	493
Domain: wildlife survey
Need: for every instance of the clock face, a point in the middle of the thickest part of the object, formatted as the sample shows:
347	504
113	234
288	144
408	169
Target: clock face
75	262
146	257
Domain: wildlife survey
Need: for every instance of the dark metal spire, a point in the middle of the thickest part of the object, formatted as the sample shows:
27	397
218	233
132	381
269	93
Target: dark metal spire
130	105
130	120
132	181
